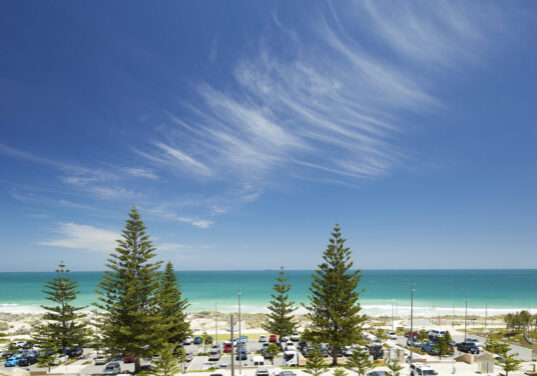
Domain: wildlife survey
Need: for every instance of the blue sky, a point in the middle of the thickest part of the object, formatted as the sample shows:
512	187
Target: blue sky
245	130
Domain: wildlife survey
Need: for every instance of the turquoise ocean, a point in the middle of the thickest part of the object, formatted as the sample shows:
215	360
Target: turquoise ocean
436	291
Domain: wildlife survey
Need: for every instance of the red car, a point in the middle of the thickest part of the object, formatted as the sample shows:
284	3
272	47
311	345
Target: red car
227	347
414	335
128	358
273	338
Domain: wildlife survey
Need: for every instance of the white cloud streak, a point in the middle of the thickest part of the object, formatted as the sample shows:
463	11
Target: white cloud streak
76	236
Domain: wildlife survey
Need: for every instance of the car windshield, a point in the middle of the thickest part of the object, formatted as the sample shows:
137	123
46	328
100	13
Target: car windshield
429	372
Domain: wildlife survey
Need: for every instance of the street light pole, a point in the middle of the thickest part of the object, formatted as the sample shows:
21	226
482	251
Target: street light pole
232	348
216	323
465	319
411	323
239	342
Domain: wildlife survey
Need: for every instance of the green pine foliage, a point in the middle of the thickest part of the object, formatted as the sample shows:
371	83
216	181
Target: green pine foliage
273	351
509	363
64	326
334	310
359	361
182	357
395	367
167	364
315	365
130	322
441	346
173	307
280	318
339	372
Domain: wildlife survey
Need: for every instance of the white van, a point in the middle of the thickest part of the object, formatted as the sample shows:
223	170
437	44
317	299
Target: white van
258	360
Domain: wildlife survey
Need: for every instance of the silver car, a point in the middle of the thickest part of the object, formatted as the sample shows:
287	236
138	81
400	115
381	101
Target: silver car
112	368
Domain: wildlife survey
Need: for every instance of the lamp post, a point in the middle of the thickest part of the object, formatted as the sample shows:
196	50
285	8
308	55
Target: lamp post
239	342
232	347
411	323
465	319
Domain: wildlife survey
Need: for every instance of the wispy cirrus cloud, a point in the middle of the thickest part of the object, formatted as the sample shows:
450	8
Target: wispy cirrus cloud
331	107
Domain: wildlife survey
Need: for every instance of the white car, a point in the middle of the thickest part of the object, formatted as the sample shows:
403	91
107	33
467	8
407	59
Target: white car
295	337
290	347
475	341
391	335
101	359
262	339
188	341
347	351
284	339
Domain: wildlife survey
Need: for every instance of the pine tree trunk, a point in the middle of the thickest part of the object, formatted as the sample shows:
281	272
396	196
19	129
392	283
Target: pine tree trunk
334	356
137	365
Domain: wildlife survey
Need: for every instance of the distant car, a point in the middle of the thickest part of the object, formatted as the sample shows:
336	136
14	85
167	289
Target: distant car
146	368
391	335
431	348
421	370
435	334
414	343
286	373
290	347
75	352
284	339
20	344
295	337
188	340
376	352
243	339
468	347
197	341
101	359
475	341
112	368
414	334
128	358
378	373
214	355
273	338
27	361
241	354
262	338
347	350
228	347
12	361
155	358
262	372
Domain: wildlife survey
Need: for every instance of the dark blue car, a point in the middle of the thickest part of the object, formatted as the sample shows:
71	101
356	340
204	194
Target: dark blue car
197	340
241	354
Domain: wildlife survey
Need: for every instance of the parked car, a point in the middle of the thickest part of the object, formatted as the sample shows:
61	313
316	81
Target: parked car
75	352
286	373
414	343
101	359
431	348
112	368
241	354
391	335
378	373
302	344
284	339
12	361
262	372
468	347
197	341
376	352
290	346
27	361
417	369
228	347
347	350
146	368
414	334
243	339
435	334
475	341
188	341
295	337
128	358
214	355
262	338
273	338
